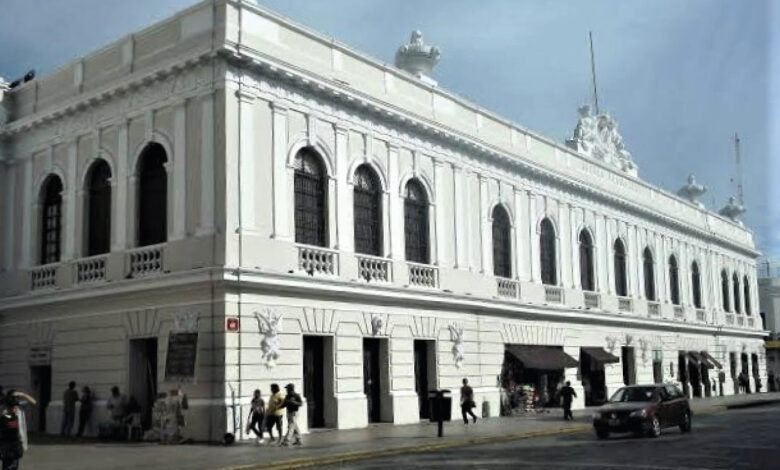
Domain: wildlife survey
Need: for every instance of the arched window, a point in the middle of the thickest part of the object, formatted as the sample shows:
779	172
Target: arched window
502	243
311	188
674	281
737	293
587	278
51	220
98	208
621	273
547	252
367	205
696	284
416	223
746	289
724	290
648	266
152	196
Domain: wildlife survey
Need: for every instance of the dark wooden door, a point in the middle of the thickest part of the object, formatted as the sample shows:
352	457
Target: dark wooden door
313	380
41	389
421	377
371	381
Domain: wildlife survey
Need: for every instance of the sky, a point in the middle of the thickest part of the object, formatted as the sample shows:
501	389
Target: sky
681	77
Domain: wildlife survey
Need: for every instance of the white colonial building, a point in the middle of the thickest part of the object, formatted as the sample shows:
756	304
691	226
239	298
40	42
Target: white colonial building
322	218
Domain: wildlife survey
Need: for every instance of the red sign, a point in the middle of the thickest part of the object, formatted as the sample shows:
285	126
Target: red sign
232	324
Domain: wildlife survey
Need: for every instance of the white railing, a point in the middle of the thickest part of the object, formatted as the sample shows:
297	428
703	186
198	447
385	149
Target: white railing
44	277
700	315
423	275
729	319
314	260
145	260
592	300
91	269
507	288
653	308
553	294
751	323
625	304
740	320
679	313
373	269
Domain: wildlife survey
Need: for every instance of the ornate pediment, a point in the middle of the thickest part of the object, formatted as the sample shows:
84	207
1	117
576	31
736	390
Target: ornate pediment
597	136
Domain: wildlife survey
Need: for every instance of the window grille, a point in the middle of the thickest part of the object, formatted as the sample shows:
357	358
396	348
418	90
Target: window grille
152	196
416	223
367	212
502	243
51	220
547	253
621	273
587	279
99	209
310	199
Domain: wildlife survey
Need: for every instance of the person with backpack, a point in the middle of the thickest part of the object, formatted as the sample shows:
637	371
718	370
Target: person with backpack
292	402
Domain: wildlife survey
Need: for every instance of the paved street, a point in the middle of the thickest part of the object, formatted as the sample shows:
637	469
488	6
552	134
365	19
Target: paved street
738	439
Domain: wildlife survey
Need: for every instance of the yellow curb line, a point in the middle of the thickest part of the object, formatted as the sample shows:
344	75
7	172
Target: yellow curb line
372	454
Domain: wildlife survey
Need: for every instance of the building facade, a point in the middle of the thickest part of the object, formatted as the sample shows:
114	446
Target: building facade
321	218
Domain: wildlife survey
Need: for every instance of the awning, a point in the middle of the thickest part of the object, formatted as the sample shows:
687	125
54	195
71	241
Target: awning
601	356
542	357
712	359
695	357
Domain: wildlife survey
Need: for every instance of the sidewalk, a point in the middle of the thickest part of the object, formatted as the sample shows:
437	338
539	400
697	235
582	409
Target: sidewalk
324	447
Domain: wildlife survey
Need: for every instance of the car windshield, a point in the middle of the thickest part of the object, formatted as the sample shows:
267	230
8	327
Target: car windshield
633	394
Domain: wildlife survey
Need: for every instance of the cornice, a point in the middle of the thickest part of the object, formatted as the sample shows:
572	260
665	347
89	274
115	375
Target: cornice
456	140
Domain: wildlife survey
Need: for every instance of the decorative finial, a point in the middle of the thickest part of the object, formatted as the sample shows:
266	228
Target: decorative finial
418	58
692	191
733	210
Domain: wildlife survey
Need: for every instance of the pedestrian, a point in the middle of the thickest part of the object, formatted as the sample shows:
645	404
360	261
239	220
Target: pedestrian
257	416
69	399
13	431
117	405
467	402
85	412
567	393
292	402
274	412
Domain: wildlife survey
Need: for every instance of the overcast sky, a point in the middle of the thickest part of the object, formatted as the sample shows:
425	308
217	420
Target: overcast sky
680	76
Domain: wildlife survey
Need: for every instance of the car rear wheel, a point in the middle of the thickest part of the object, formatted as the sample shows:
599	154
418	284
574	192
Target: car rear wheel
655	427
685	425
602	433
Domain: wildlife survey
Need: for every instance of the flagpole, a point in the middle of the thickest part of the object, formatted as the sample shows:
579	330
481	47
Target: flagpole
740	192
593	73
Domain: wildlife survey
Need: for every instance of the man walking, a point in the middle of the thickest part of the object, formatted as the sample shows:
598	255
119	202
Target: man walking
292	402
274	412
568	394
257	416
467	402
69	399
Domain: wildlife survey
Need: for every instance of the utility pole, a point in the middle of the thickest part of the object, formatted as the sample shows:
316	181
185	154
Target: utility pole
593	73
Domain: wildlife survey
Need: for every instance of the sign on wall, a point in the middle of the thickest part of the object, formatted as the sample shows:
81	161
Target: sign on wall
181	357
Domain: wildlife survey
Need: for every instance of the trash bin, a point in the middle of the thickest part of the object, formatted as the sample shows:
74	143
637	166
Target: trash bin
446	408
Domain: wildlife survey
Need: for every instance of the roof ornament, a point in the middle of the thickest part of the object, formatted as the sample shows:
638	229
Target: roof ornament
418	58
733	210
692	191
597	136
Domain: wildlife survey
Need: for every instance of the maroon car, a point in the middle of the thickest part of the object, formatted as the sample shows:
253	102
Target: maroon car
643	410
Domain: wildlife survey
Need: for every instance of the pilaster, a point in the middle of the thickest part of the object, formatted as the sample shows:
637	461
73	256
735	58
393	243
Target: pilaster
281	228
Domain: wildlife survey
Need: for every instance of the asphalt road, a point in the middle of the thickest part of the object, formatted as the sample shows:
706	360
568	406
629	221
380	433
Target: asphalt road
737	439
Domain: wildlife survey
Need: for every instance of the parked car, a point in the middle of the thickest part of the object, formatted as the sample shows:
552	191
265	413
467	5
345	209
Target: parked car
643	410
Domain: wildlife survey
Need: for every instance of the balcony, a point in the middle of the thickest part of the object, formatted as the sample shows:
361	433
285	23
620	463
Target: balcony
679	313
91	269
625	304
700	315
44	277
592	300
315	260
144	261
553	294
373	269
507	288
653	309
423	275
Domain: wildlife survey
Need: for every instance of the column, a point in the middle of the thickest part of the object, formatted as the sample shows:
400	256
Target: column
521	236
395	209
484	229
120	214
438	223
663	271
533	246
609	253
72	190
207	171
178	229
28	212
9	229
280	203
458	229
574	243
602	284
564	240
344	219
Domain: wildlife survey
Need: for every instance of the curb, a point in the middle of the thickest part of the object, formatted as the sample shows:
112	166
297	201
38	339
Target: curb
751	404
308	462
